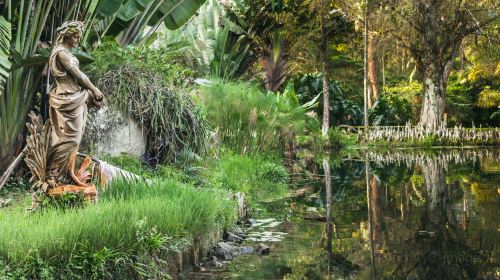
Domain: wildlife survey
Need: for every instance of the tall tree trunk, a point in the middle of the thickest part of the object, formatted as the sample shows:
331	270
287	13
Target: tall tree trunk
372	72
324	66
431	116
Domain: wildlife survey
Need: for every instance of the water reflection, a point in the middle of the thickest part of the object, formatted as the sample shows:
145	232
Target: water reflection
444	228
329	221
408	214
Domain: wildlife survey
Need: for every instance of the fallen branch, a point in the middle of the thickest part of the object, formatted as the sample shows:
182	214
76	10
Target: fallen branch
11	168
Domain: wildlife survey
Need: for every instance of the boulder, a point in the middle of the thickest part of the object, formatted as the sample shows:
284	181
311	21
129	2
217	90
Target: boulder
109	131
225	251
263	249
233	238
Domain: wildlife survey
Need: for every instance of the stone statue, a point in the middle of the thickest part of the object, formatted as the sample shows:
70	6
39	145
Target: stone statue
68	105
52	148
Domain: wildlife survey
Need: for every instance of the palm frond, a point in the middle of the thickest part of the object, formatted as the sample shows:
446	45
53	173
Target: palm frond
276	68
5	40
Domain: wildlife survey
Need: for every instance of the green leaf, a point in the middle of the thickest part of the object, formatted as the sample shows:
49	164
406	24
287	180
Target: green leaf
82	56
130	10
31	61
107	8
179	11
5	63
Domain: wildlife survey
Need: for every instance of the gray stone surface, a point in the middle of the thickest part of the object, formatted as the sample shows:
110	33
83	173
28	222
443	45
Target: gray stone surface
110	132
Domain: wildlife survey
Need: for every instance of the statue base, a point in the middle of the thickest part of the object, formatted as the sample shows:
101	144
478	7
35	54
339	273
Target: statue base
89	193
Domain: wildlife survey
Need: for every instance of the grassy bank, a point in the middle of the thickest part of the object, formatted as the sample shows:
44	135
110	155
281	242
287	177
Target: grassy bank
135	227
126	235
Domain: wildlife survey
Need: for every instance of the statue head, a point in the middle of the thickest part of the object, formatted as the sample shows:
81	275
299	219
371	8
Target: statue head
70	33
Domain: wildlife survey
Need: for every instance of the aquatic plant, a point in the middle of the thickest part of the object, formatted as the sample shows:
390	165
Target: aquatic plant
257	177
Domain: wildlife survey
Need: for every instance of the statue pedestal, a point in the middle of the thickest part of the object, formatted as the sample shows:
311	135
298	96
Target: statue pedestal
89	193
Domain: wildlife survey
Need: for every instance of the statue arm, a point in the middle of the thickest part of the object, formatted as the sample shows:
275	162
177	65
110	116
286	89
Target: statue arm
80	77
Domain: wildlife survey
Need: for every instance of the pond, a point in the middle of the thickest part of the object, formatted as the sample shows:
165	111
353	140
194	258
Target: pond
400	214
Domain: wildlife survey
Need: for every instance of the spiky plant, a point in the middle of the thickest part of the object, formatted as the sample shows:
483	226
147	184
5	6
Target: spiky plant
37	150
273	60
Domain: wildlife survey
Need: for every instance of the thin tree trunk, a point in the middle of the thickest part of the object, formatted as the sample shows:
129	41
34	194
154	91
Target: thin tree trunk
324	66
365	67
329	222
383	68
372	72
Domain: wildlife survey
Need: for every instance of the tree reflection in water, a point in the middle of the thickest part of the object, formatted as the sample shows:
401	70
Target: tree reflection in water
408	214
432	237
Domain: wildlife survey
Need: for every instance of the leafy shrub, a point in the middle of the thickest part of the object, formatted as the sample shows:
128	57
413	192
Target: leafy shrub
342	109
167	61
339	138
390	110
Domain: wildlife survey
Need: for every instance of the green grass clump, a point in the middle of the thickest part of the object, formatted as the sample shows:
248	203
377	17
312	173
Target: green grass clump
257	177
131	224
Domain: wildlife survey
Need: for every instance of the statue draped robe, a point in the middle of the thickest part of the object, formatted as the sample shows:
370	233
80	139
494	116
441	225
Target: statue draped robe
68	114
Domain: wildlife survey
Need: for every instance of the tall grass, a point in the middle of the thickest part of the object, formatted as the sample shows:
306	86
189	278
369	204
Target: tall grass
168	208
249	121
257	177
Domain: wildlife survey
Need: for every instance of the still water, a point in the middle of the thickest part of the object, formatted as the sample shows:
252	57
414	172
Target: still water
404	214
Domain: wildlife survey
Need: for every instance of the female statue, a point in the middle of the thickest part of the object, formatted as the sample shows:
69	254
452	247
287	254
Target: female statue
68	105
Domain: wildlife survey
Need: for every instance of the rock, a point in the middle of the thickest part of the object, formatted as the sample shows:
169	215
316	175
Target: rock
5	202
246	250
225	251
215	263
112	132
251	222
199	268
233	238
239	232
263	249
